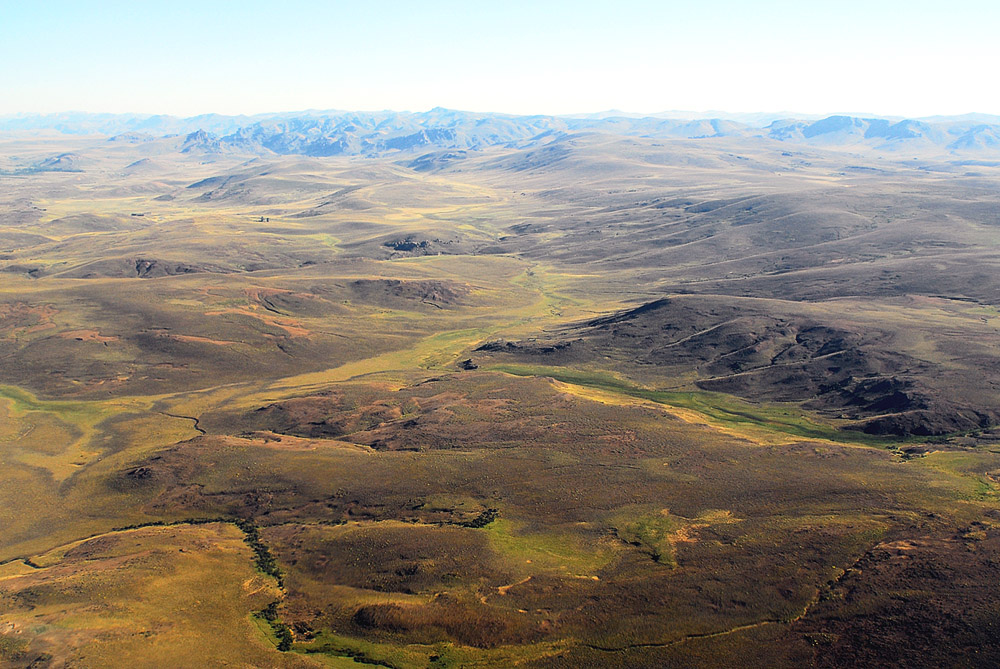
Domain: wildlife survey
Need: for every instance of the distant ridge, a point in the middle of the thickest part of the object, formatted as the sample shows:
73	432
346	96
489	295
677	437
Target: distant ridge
330	133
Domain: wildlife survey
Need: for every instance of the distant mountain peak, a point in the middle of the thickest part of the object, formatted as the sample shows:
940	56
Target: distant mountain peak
329	133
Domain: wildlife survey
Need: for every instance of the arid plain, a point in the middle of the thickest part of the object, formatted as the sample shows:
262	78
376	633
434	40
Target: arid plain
593	401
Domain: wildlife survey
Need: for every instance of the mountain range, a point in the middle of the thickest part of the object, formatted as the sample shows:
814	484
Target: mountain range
330	133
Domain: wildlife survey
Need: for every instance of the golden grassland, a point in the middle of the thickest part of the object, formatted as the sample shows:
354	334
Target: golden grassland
187	593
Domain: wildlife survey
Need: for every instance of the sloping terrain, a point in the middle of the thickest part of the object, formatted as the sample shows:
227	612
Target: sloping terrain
877	374
353	390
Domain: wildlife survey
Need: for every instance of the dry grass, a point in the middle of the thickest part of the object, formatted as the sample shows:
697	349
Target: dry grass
179	596
303	372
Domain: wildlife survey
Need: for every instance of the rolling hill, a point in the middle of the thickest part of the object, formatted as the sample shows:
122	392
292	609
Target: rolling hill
450	389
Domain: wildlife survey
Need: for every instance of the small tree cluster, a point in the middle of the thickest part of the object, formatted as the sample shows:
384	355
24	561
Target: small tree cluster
483	519
281	630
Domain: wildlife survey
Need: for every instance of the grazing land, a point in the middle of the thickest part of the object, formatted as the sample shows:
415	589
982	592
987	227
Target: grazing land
574	398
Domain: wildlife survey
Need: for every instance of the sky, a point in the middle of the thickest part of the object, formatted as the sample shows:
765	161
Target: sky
886	57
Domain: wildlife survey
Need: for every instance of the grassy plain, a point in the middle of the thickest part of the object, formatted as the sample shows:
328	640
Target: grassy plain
297	343
185	594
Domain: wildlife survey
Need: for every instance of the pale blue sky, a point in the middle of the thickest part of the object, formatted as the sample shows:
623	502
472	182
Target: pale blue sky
889	57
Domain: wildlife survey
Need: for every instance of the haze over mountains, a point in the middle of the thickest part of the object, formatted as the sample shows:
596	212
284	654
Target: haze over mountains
332	133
